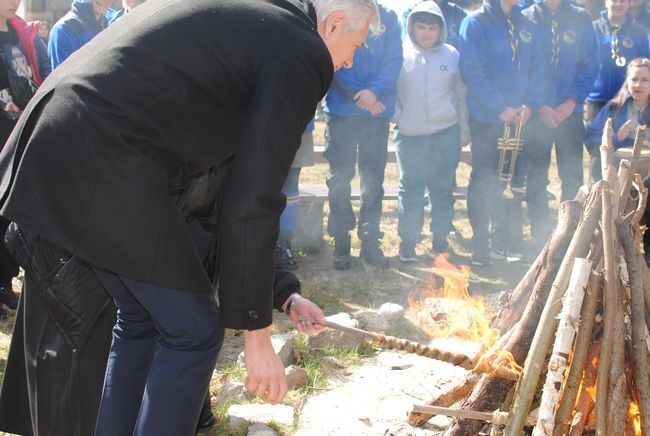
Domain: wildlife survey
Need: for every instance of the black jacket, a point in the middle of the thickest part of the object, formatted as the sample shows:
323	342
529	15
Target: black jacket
170	90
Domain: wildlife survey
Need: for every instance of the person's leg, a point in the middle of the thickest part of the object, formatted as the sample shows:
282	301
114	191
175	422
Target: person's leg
341	153
444	155
484	186
189	338
373	153
538	143
291	190
569	149
412	172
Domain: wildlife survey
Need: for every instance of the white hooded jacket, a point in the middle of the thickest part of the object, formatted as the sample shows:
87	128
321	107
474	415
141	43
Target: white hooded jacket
430	92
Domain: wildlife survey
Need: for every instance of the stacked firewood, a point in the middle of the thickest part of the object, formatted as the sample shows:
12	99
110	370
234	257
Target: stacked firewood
577	323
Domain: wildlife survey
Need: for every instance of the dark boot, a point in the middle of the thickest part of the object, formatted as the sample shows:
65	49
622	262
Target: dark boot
8	297
342	252
283	253
372	255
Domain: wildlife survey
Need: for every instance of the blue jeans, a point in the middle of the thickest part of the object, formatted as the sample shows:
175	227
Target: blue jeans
291	190
165	345
427	161
344	135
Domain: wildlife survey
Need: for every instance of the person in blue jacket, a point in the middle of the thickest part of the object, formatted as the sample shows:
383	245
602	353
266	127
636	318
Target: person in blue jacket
619	40
82	22
568	43
453	14
502	67
359	105
640	13
628	109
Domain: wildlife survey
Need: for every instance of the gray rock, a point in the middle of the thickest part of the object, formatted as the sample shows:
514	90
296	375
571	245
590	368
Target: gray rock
263	413
233	391
335	338
391	312
283	346
372	321
296	376
259	429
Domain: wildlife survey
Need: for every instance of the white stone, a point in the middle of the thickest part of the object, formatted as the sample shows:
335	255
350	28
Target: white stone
232	391
263	413
391	311
283	346
259	429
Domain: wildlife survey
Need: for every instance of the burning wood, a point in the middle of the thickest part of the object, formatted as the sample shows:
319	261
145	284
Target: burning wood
597	373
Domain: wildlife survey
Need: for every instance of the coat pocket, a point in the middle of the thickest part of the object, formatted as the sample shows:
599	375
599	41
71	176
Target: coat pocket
66	283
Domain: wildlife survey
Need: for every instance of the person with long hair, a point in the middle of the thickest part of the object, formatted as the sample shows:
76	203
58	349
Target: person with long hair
628	109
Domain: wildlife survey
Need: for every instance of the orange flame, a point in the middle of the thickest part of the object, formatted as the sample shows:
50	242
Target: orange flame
634	417
464	315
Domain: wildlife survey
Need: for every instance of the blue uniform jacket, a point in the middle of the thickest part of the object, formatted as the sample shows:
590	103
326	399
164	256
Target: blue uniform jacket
632	43
594	131
572	77
375	67
453	14
493	79
75	29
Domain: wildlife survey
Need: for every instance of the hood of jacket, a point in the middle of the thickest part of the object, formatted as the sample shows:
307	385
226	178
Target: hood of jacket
427	7
84	11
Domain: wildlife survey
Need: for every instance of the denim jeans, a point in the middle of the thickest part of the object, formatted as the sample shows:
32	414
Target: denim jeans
427	161
344	136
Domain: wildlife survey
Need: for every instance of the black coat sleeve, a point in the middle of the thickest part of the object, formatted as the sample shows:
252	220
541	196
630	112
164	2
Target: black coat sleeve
287	91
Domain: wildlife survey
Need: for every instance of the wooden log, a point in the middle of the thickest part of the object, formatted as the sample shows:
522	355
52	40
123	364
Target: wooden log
637	309
490	394
543	335
497	417
445	399
544	268
618	402
569	317
627	168
610	297
580	355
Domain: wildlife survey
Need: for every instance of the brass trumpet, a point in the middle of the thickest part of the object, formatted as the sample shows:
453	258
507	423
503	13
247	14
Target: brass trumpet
509	146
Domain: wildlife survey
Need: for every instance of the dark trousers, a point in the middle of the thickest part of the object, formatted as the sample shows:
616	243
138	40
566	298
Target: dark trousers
165	345
538	142
344	135
8	265
427	161
488	210
591	110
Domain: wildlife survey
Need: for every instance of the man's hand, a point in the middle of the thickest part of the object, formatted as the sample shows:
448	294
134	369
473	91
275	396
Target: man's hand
509	115
624	131
564	110
265	378
365	99
549	117
377	108
307	317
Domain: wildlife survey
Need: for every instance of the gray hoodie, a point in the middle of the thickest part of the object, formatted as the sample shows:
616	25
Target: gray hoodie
430	92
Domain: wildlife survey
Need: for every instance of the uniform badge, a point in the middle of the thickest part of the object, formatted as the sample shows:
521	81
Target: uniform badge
627	42
569	37
525	35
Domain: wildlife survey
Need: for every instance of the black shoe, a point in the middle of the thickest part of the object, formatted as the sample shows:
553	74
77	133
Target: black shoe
372	255
342	252
8	297
284	257
4	314
407	252
206	421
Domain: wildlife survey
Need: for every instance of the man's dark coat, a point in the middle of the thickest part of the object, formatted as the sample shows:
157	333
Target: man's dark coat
170	90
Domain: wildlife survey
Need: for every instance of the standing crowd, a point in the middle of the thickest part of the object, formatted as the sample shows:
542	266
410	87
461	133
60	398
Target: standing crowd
159	163
453	77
